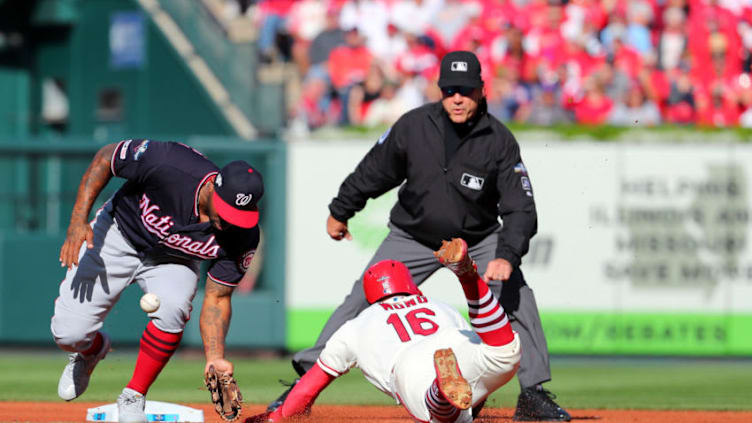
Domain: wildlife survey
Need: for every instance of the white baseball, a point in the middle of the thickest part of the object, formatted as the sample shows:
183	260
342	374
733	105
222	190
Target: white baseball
149	303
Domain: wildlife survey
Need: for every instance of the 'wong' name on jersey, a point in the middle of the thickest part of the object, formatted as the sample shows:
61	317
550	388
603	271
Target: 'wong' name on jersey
160	226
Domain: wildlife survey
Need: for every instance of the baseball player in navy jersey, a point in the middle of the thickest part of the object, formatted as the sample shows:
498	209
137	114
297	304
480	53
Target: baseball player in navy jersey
175	209
420	351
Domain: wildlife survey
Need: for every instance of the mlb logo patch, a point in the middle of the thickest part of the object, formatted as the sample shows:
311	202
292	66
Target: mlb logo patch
471	181
525	181
459	67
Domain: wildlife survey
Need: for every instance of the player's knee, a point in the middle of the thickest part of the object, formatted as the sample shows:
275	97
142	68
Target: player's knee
172	317
71	337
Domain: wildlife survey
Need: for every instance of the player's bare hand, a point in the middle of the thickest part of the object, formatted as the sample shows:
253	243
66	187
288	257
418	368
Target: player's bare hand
337	230
78	233
498	270
221	365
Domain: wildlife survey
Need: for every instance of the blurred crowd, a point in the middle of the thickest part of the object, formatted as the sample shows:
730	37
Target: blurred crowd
545	62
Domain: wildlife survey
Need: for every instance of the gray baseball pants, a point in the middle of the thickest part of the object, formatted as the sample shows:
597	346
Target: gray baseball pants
515	296
92	288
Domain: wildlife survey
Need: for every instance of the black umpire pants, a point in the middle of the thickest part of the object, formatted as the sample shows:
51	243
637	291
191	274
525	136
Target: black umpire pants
515	296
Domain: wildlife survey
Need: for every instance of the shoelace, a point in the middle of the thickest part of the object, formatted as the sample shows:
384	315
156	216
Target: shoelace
547	393
130	399
80	357
550	397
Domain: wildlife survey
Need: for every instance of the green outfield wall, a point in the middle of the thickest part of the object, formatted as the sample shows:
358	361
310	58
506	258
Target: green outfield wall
606	333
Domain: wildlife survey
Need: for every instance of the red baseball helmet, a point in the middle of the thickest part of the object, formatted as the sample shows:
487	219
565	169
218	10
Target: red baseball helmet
386	278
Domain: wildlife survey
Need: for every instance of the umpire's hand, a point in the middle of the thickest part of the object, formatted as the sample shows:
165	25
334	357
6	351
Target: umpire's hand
498	270
337	230
78	232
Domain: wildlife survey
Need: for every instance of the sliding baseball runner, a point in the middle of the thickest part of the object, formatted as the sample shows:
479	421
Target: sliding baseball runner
419	351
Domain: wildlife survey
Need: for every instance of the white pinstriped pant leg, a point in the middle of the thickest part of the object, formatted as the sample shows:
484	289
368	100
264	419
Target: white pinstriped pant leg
486	368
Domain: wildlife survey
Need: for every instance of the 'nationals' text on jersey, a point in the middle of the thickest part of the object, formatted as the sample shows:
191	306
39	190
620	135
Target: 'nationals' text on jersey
157	209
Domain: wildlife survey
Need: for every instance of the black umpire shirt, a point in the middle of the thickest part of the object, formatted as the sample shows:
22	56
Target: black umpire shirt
441	199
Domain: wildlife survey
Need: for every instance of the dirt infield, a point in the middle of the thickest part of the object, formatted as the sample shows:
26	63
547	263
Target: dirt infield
76	412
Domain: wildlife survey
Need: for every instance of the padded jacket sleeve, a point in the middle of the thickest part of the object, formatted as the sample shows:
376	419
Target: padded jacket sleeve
382	168
516	205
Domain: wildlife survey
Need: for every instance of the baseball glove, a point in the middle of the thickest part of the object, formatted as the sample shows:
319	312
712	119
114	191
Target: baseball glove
225	394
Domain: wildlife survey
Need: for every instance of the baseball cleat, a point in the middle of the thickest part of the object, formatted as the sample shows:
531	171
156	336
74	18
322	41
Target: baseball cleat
453	255
452	385
536	404
131	407
76	374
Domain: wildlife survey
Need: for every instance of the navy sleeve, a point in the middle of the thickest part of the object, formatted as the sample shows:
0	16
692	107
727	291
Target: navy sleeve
227	271
240	248
135	159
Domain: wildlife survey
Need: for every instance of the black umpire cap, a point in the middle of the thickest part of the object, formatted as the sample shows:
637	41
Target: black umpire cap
460	68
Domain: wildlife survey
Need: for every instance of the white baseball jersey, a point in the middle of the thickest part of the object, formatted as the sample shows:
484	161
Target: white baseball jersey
373	340
393	342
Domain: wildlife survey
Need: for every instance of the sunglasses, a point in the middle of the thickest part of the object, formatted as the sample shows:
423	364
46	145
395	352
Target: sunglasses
453	89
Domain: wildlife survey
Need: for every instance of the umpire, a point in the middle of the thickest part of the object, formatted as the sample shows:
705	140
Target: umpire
461	170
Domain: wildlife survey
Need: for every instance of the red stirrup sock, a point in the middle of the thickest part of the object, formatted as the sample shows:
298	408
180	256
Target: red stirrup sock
487	317
486	314
303	394
438	406
155	351
473	286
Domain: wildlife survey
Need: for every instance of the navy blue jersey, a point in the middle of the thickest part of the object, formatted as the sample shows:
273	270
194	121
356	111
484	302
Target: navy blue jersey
157	209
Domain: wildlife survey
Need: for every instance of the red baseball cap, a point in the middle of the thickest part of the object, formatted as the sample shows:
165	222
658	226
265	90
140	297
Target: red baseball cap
237	190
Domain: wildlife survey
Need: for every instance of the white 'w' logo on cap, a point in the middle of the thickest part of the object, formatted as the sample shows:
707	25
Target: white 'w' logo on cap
243	199
459	66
